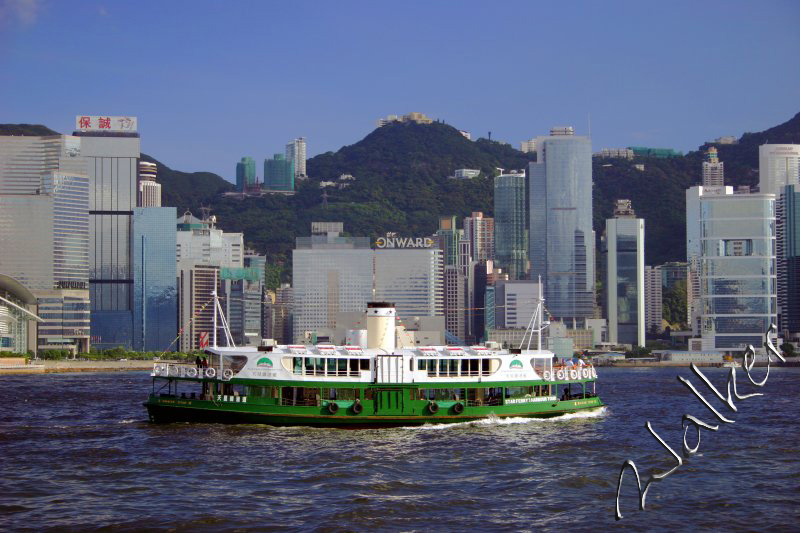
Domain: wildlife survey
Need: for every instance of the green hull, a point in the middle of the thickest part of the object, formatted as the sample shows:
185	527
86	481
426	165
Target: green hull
165	410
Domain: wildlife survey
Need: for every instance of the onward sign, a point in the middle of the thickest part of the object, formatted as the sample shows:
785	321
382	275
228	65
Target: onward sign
391	241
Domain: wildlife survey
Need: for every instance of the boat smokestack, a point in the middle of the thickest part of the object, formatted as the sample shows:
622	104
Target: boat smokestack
381	318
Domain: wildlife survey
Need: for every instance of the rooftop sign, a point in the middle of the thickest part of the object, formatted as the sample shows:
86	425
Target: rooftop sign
403	242
105	123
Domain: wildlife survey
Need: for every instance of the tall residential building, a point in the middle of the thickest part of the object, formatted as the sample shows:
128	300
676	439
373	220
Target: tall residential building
155	295
279	318
510	232
296	153
778	166
149	188
111	147
653	301
625	284
562	247
202	251
412	279
731	250
331	274
788	260
455	305
479	231
245	174
279	173
713	169
449	238
44	233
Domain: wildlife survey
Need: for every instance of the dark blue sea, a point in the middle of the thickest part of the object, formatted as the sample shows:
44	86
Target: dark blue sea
77	453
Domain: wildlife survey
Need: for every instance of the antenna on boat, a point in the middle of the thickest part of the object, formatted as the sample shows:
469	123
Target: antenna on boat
225	327
532	325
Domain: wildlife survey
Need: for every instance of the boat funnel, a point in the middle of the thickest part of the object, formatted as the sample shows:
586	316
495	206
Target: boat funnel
381	326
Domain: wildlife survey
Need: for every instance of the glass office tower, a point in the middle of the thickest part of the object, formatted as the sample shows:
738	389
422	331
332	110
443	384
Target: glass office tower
561	245
737	270
155	297
510	233
624	243
412	280
279	174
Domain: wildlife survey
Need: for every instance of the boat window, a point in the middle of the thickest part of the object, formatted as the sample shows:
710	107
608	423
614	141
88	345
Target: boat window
341	394
262	392
298	365
300	396
368	394
484	396
541	390
353	367
331	367
519	392
445	395
364	364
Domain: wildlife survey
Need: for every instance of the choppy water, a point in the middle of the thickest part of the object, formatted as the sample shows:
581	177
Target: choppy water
77	453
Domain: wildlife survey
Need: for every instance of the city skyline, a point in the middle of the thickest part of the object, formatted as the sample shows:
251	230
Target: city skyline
638	88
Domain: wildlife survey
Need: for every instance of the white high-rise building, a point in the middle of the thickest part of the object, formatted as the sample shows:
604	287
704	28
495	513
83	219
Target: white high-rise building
778	166
624	242
149	188
296	152
479	231
713	169
528	146
653	301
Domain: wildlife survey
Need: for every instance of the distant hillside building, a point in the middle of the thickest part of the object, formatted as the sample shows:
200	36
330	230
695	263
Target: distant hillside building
659	153
528	146
713	169
615	153
466	173
419	118
245	174
296	153
279	173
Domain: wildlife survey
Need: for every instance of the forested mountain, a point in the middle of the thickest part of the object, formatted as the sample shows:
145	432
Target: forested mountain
402	185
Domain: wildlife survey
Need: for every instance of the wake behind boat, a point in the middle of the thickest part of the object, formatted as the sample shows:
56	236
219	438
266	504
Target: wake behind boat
380	385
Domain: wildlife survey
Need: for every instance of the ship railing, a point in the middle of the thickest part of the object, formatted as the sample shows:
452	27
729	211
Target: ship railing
301	402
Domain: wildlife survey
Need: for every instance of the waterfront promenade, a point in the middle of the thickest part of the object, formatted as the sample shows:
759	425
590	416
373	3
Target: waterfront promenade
12	366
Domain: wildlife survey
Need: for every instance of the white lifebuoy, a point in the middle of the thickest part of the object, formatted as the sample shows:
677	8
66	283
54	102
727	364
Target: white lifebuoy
227	374
211	372
594	373
573	374
547	375
173	371
560	374
157	370
191	373
585	373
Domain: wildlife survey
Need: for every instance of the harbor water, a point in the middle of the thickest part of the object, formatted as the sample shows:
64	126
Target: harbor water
78	453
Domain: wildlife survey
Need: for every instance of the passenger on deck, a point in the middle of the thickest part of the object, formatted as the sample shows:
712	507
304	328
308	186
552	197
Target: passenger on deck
198	362
205	362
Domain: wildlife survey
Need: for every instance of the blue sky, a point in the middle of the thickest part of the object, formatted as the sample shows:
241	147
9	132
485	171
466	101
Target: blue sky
213	81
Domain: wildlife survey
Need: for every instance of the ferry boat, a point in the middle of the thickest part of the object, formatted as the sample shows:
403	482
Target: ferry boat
377	385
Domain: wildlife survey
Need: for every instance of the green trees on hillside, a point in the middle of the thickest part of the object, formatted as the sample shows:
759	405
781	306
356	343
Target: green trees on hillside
674	305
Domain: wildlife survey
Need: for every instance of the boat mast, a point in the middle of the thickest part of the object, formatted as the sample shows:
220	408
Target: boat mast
540	311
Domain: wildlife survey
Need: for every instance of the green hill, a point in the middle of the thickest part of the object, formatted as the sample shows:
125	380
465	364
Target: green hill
401	185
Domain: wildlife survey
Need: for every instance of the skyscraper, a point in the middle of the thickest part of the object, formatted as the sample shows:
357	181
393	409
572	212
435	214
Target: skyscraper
479	231
510	233
713	169
624	247
155	295
449	238
44	232
788	259
778	166
331	274
245	174
111	147
653	301
561	246
731	250
296	153
412	279
279	174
